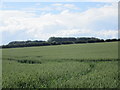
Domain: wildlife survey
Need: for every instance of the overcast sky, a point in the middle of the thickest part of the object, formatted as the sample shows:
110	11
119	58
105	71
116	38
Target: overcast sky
41	20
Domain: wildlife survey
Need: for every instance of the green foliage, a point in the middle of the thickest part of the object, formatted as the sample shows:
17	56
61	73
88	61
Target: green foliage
61	39
51	41
56	41
63	66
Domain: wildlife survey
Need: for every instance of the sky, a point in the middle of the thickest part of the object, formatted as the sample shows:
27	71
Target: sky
41	20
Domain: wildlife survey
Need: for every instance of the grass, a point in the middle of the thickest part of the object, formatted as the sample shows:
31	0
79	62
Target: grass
93	65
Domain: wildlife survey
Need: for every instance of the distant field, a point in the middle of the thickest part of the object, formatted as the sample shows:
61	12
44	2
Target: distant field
93	65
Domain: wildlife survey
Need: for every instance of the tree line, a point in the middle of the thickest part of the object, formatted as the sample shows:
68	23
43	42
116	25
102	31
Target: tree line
56	41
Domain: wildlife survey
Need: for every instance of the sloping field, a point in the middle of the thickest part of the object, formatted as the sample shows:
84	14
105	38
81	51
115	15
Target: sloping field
93	65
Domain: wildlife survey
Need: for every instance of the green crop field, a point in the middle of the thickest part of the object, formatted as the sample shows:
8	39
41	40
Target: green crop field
93	65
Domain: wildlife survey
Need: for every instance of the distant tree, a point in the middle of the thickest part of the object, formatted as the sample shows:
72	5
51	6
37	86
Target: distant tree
101	40
67	42
56	41
109	40
51	39
83	41
61	39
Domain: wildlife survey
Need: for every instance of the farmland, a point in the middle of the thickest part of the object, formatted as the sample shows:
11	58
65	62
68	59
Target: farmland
93	65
